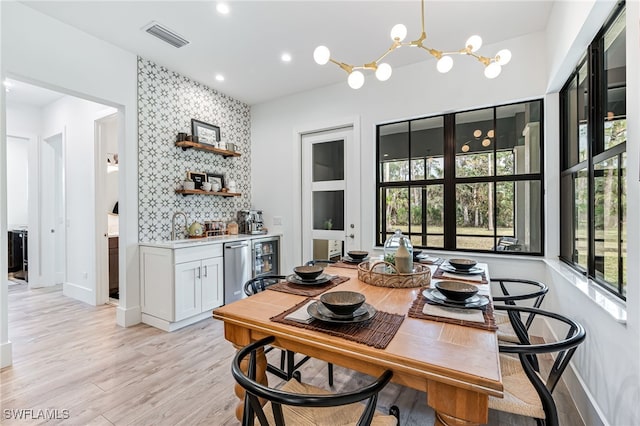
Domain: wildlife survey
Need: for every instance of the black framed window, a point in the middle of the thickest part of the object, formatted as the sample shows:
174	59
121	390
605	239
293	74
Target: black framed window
594	160
469	180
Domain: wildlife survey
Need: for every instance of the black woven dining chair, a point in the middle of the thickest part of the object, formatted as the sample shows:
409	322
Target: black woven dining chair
288	363
300	404
527	390
513	291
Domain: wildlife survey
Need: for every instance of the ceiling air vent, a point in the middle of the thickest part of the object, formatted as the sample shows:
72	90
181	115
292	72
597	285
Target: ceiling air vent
165	34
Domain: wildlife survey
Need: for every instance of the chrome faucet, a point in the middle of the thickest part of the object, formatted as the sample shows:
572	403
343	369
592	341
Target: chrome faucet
173	224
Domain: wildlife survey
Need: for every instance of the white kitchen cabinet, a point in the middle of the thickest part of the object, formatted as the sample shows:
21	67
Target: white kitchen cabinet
180	286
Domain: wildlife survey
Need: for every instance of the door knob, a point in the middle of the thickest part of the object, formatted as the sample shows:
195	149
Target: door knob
351	236
53	231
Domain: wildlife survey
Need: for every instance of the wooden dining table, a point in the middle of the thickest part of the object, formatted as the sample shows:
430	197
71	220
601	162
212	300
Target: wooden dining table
457	366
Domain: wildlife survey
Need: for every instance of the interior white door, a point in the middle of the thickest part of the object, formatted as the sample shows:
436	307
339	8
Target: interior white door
52	215
330	194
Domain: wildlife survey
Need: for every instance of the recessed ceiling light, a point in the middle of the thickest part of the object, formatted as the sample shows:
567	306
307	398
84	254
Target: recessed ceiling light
219	77
285	57
222	8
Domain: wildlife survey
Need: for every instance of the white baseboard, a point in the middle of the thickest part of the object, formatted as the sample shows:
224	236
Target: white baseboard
173	326
126	317
582	398
6	355
80	293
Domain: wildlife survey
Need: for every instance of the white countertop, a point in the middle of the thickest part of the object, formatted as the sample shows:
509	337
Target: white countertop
194	242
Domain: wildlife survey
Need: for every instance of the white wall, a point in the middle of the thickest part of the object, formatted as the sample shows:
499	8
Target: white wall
74	118
415	90
17	182
56	56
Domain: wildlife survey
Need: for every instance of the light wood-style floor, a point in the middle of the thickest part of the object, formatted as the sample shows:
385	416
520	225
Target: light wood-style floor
72	356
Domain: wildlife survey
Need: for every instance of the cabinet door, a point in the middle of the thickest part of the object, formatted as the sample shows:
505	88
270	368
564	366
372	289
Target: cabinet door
188	298
212	283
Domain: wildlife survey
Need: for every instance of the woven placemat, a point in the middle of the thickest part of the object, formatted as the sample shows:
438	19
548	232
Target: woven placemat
307	290
377	331
438	275
487	312
341	264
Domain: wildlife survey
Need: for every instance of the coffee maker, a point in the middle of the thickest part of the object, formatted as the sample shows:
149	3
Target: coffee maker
250	222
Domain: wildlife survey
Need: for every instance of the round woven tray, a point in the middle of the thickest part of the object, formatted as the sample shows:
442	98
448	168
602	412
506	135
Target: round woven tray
367	273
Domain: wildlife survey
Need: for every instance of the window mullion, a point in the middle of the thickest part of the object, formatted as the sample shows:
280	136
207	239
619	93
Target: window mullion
449	183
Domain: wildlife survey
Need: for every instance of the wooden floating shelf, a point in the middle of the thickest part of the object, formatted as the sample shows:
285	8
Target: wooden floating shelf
204	147
186	192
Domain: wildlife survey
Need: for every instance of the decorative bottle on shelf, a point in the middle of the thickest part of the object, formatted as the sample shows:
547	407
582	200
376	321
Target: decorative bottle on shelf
404	258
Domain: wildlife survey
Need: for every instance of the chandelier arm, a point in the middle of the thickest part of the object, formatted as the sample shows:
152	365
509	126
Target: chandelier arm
394	46
433	52
422	16
348	68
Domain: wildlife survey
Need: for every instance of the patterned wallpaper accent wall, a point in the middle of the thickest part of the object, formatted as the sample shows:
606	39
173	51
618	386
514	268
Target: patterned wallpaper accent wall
167	101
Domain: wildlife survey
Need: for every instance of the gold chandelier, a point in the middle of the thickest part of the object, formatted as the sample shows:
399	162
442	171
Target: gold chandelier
493	66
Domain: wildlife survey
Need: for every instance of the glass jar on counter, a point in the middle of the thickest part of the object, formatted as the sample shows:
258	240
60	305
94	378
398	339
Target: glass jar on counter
392	245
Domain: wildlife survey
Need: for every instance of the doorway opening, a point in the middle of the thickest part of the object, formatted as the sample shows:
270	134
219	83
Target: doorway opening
51	175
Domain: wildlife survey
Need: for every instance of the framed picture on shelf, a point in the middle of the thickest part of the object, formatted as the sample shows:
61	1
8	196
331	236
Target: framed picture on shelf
215	177
206	133
198	178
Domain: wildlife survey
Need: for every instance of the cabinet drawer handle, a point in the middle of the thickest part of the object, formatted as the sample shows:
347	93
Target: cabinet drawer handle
206	271
199	272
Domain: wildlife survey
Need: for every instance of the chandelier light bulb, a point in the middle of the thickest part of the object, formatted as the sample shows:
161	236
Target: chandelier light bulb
474	42
477	133
355	80
321	55
398	32
383	72
465	148
445	64
486	142
503	57
490	133
492	70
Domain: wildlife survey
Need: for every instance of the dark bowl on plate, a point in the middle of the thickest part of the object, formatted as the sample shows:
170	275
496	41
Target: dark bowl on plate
416	253
456	290
342	302
357	254
308	272
463	264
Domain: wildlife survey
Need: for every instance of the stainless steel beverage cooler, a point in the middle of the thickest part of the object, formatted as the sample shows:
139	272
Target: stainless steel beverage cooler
265	253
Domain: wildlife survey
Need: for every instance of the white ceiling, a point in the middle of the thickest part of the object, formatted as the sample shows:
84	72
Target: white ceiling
26	94
245	45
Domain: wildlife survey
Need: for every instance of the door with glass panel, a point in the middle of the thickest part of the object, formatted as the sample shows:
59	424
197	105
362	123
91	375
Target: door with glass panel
330	194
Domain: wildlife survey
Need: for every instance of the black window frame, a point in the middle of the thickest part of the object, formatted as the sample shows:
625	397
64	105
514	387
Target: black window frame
597	86
449	182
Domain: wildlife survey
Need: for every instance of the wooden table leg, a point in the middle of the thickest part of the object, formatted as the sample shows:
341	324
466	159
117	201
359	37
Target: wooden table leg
261	377
457	407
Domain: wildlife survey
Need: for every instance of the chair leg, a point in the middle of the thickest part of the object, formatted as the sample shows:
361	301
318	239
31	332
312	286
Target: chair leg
540	422
290	363
395	412
283	357
296	375
330	371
